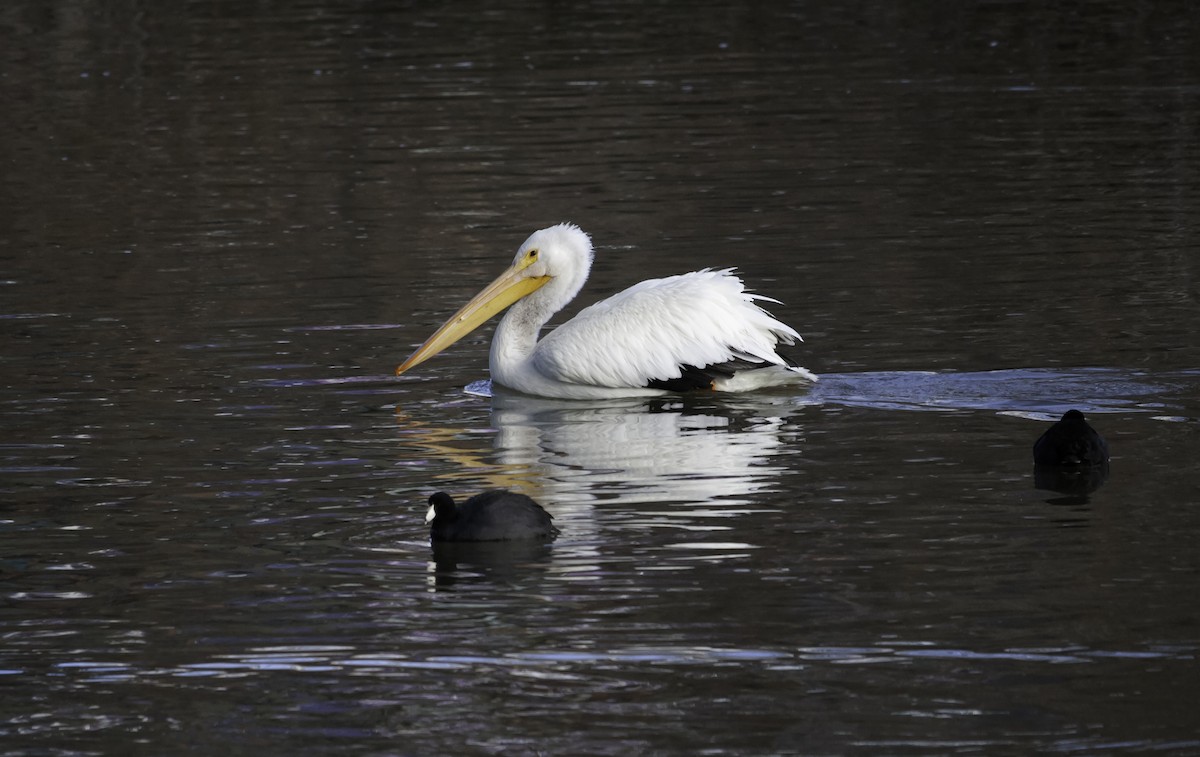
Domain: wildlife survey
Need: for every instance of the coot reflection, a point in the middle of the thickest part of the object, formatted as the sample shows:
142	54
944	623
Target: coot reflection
498	515
1071	442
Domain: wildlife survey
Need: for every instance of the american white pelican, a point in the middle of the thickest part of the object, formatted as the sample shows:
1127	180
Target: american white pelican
699	330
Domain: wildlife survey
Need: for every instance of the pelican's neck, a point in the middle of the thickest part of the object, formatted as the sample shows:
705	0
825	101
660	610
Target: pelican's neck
517	333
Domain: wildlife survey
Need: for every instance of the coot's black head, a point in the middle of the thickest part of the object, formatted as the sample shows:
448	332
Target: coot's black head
441	509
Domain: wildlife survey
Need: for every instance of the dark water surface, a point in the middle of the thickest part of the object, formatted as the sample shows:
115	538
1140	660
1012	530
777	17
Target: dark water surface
224	224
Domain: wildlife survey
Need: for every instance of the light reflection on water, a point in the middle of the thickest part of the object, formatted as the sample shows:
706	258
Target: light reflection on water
318	657
1035	393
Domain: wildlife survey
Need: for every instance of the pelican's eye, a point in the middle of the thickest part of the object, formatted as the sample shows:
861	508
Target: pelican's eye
532	255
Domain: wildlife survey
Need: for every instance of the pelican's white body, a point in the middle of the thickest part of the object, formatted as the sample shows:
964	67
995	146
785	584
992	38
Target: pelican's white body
615	347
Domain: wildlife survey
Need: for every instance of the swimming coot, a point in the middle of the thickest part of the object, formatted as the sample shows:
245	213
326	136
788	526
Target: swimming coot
498	515
1070	442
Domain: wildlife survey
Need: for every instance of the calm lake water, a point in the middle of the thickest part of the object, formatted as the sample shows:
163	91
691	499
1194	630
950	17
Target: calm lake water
224	224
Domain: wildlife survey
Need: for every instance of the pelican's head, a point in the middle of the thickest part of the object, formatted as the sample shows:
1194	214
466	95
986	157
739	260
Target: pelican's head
557	258
562	252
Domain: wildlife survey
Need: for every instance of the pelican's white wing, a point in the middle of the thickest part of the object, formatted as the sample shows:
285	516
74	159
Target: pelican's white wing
654	328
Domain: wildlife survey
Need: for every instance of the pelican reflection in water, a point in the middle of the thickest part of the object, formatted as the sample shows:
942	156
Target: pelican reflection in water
698	468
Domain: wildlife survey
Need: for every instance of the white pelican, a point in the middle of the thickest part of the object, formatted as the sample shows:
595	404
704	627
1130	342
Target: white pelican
699	330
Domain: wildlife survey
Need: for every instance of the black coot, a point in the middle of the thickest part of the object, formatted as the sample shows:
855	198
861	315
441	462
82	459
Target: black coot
1070	442
498	515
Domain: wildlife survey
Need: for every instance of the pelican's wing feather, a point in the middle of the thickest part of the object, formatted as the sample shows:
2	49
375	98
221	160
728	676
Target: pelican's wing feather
652	330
